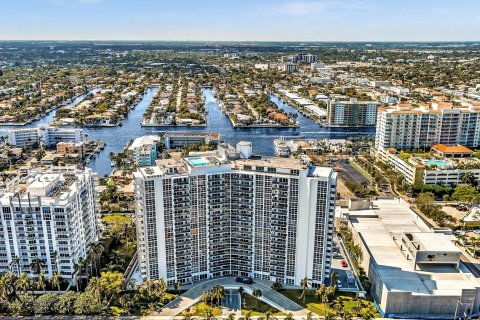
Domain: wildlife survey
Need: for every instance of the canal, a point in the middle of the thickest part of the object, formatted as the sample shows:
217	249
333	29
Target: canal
116	138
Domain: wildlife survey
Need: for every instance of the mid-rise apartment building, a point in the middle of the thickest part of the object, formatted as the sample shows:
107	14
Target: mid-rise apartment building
351	113
406	127
143	150
48	216
48	136
208	216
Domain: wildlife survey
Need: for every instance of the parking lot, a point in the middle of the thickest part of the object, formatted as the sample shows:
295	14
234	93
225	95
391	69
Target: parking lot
342	270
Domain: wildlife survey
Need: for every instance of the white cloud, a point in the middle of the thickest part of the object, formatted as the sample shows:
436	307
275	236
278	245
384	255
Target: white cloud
307	8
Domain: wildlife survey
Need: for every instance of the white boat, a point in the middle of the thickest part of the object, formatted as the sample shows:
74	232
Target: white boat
281	148
112	163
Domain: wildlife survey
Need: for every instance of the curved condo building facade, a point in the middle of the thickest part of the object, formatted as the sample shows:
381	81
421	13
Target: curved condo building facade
207	216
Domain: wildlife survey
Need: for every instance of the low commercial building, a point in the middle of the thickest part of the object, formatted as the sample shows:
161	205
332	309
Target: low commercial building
172	140
50	216
71	148
415	271
352	113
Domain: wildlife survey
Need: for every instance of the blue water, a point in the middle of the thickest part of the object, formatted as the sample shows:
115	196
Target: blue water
198	161
436	163
116	138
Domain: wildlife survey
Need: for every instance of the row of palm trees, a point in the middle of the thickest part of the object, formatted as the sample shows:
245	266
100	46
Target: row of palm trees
11	283
90	266
216	294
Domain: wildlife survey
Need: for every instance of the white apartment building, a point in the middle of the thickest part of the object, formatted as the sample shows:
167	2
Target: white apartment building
48	216
206	216
405	127
352	113
143	150
48	136
420	170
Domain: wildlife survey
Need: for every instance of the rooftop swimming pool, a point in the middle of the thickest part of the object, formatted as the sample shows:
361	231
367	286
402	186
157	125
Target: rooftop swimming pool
198	161
436	163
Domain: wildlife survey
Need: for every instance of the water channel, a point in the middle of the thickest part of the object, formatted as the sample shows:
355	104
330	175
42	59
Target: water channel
116	138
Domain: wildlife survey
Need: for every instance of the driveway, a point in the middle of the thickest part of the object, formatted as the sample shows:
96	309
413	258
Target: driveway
192	296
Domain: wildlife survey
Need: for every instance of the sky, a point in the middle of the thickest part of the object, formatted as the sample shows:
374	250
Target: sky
239	20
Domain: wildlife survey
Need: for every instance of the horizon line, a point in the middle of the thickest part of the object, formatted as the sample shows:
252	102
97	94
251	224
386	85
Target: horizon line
272	41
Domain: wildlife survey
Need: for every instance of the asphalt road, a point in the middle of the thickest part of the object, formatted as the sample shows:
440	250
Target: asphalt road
349	173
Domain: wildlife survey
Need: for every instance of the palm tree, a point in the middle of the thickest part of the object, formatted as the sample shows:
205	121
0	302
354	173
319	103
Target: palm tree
209	315
289	316
56	280
41	282
78	272
95	287
36	266
206	297
176	286
347	315
338	307
468	178
8	288
322	294
304	283
241	291
333	278
15	262
218	293
231	316
23	282
328	316
366	314
268	315
257	293
248	316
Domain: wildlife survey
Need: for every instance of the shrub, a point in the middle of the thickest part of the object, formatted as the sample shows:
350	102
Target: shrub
24	305
46	304
66	302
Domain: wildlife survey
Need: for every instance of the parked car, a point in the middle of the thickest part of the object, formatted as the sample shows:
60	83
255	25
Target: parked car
244	279
339	284
344	263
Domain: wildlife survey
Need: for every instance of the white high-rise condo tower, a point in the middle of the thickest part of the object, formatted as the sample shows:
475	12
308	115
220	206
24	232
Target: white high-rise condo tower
48	216
207	216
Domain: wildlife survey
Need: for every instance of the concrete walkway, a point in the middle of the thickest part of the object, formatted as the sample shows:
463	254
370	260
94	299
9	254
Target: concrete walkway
192	296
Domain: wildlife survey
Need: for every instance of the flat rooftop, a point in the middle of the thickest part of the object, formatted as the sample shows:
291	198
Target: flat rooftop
213	135
273	162
381	227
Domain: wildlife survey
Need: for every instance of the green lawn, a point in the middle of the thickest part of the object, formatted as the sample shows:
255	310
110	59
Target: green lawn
312	304
200	308
257	307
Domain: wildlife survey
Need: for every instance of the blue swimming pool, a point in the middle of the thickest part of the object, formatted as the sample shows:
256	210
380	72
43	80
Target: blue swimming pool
436	163
198	161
